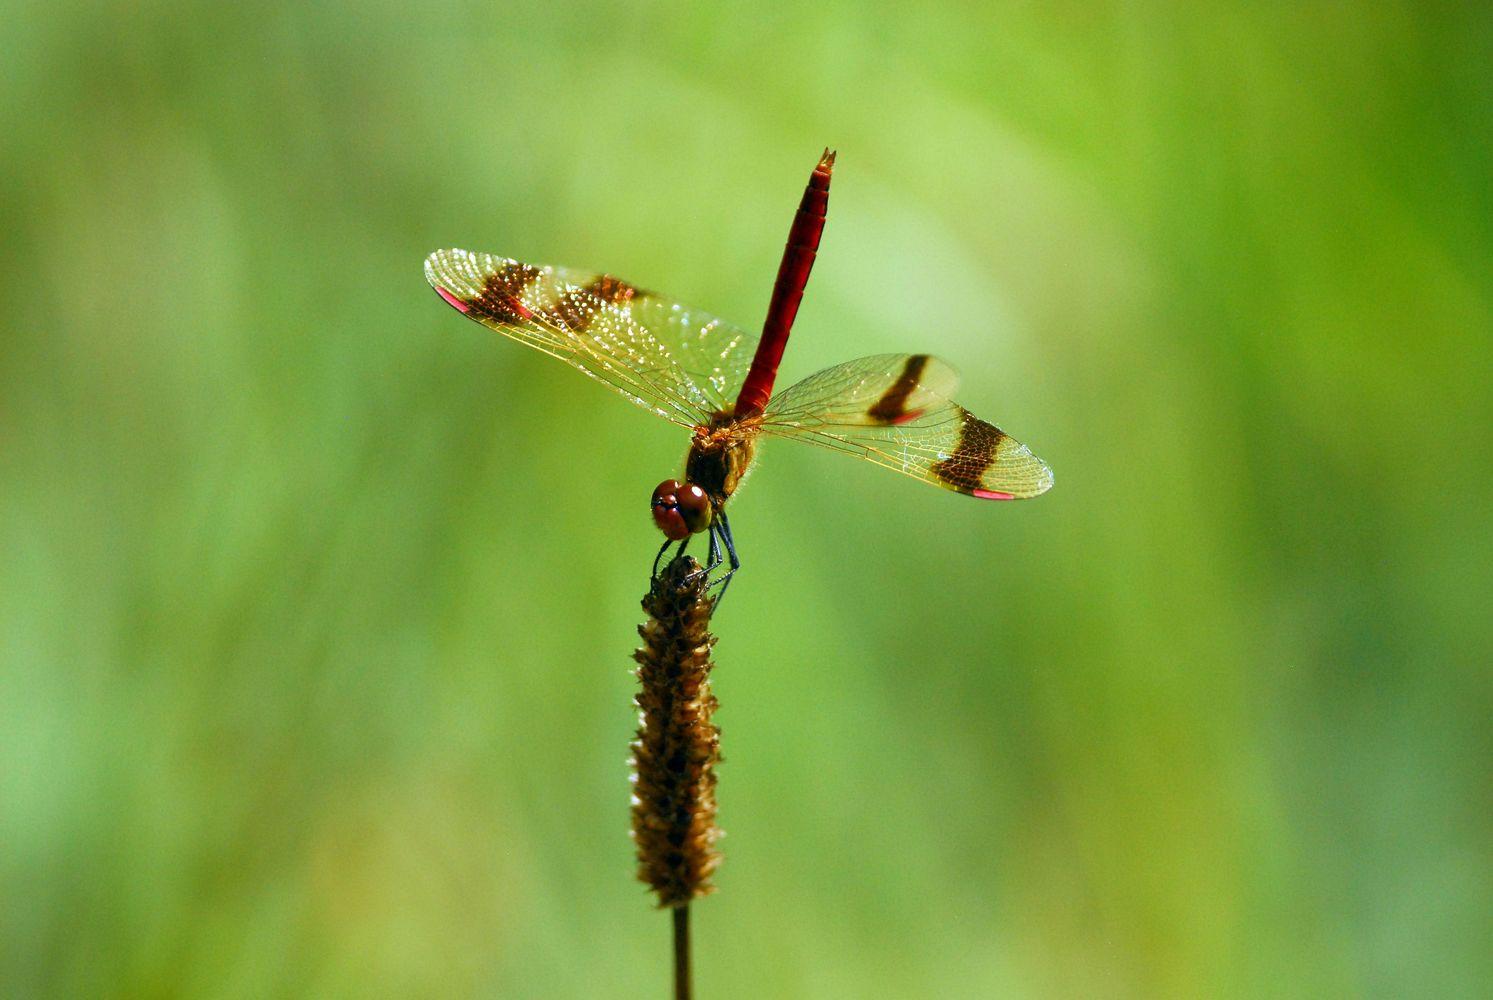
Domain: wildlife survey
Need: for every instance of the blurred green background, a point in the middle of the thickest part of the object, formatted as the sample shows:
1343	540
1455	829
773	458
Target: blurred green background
317	600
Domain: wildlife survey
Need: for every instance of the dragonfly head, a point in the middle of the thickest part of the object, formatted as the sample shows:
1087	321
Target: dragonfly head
680	509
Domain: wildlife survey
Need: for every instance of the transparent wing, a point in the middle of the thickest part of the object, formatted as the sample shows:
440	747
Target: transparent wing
894	410
679	362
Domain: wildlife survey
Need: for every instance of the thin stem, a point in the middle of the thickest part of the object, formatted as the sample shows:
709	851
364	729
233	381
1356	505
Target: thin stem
681	952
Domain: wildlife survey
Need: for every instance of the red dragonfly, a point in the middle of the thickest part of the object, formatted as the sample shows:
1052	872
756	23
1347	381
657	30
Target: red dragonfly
683	363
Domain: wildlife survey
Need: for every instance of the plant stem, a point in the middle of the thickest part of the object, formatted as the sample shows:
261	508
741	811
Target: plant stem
681	953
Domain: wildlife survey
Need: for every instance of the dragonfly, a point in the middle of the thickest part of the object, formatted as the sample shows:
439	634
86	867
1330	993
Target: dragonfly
716	381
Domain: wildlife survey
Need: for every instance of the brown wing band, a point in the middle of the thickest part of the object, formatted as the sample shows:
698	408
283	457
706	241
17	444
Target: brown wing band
892	406
501	298
973	454
614	290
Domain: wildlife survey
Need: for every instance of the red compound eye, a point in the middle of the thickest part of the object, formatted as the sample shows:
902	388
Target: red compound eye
680	510
694	507
666	510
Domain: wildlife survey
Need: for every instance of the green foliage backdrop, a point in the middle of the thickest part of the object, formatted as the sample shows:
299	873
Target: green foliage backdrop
316	600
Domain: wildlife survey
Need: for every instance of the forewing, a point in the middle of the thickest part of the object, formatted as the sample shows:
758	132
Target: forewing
713	353
677	361
894	410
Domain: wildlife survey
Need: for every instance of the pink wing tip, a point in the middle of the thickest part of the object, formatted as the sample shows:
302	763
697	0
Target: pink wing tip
993	495
452	300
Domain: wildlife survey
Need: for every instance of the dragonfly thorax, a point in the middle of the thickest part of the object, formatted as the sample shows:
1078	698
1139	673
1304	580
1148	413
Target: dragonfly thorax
720	455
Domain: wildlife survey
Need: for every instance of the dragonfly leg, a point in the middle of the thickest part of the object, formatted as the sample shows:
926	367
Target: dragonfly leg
730	544
725	581
715	549
667	543
715	558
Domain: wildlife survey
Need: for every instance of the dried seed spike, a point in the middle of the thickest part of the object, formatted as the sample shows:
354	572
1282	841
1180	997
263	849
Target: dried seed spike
677	745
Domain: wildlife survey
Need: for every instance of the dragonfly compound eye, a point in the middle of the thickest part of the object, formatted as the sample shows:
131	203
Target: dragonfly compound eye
680	510
694	507
666	510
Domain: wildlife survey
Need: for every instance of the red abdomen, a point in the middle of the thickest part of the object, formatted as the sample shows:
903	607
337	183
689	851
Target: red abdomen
793	275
